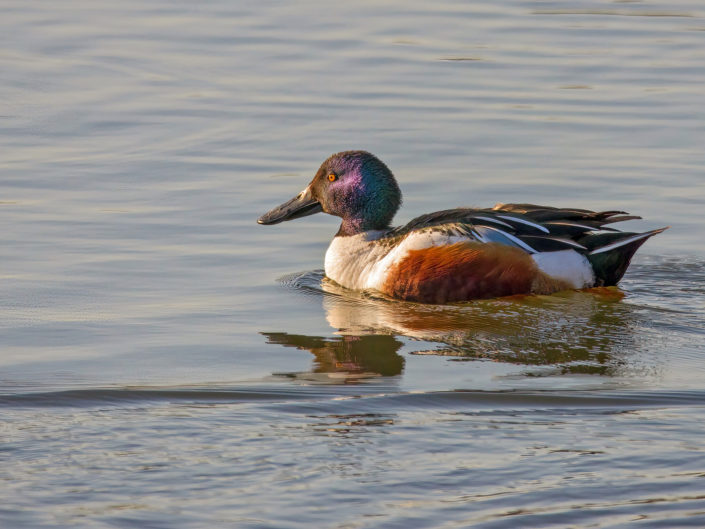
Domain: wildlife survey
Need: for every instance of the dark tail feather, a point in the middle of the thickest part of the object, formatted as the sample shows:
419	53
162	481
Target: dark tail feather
610	253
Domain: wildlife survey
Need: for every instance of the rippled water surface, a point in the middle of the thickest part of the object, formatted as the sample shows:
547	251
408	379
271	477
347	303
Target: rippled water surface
165	362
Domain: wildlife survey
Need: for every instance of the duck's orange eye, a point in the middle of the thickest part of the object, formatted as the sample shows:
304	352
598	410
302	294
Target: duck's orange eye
332	177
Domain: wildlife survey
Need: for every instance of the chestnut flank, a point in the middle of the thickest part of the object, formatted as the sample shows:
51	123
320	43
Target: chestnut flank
465	271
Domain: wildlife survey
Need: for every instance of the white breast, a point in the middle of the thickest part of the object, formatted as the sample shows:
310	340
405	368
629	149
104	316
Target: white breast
349	260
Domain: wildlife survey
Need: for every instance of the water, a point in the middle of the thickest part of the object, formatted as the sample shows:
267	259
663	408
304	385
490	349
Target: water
166	362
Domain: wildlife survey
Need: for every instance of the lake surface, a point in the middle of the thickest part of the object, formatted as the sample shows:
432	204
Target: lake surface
167	363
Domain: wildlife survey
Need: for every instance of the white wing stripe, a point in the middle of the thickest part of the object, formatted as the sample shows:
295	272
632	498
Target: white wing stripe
621	242
495	221
485	238
574	224
568	242
526	222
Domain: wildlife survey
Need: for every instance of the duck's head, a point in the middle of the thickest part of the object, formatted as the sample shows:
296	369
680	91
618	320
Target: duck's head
354	185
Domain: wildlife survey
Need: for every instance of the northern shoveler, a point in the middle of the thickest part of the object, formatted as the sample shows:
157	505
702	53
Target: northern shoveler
456	254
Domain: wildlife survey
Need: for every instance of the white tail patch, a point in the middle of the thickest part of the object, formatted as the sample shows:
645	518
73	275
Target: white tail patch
568	265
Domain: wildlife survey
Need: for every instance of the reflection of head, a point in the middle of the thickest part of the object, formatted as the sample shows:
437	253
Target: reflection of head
361	355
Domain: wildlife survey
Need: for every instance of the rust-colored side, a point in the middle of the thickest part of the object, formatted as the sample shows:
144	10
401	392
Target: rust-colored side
465	271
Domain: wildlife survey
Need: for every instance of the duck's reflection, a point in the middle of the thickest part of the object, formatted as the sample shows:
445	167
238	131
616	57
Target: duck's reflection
586	332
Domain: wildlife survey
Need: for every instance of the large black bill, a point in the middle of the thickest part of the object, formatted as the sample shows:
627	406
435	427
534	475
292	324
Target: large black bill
301	205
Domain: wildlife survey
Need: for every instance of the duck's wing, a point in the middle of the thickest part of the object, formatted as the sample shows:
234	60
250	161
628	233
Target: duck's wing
559	216
530	227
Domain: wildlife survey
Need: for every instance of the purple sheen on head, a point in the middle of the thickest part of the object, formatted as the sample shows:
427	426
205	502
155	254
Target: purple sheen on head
365	194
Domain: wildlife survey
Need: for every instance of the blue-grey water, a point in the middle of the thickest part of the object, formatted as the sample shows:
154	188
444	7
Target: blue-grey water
167	363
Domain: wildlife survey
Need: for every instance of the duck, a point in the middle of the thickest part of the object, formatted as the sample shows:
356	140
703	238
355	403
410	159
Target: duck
459	254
